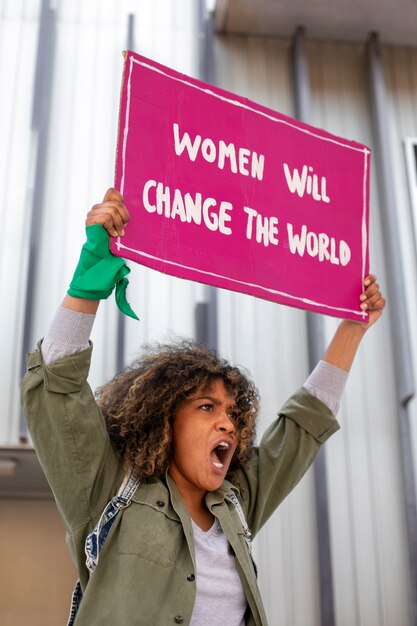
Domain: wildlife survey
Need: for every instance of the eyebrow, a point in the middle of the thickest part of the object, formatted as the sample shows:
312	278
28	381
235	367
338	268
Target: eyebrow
213	400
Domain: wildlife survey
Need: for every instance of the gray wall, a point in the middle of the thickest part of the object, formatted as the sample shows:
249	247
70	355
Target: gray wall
368	537
367	521
79	166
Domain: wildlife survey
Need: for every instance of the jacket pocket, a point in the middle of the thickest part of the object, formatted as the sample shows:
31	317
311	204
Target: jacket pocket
147	533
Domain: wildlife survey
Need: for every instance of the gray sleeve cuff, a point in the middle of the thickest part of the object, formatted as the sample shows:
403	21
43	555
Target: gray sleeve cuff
327	382
69	333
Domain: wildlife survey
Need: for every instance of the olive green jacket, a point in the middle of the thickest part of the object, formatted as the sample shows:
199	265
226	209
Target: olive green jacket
146	572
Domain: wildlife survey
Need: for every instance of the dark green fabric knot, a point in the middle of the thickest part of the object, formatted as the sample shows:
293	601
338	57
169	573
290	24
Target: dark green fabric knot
98	271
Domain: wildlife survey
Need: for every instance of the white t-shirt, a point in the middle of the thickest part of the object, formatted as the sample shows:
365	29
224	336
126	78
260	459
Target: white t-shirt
220	599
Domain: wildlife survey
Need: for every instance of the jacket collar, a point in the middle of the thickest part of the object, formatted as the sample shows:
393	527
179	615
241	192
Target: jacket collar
212	497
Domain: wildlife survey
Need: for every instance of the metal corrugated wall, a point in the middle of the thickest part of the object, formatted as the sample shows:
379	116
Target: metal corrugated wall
78	162
18	42
367	521
271	341
368	537
367	513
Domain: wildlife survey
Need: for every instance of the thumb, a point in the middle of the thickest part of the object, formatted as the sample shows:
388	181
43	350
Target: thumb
112	194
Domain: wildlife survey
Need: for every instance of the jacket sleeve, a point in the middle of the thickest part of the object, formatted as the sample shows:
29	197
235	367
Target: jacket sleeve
69	435
286	451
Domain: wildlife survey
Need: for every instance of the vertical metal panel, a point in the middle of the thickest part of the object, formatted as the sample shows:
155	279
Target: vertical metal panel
121	321
270	340
206	312
367	520
400	73
316	345
401	345
165	304
222	10
338	105
205	42
81	149
18	44
410	149
40	126
91	37
397	291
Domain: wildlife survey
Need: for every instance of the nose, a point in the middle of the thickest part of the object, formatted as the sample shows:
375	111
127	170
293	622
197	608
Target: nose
225	424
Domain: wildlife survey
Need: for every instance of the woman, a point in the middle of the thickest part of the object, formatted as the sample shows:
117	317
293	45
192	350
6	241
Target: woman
182	423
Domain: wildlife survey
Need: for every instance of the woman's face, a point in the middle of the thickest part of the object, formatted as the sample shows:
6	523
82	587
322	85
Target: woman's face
204	439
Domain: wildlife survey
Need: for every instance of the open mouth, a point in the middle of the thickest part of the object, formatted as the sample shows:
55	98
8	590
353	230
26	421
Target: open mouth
220	454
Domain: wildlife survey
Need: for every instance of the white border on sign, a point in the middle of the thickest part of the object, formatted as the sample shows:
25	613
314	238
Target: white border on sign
209	92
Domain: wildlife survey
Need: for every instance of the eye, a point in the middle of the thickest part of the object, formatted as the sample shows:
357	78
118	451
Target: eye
206	407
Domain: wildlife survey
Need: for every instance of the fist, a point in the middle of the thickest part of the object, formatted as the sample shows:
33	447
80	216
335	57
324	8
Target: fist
111	214
372	300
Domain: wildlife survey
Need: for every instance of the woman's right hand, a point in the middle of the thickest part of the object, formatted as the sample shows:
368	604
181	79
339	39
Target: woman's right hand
113	216
111	213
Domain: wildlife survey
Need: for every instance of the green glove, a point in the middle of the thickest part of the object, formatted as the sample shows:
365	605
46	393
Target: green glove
99	271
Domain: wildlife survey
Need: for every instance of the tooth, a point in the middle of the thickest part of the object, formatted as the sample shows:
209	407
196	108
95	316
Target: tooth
218	465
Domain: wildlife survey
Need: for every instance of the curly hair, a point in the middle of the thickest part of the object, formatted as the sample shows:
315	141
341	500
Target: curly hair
140	403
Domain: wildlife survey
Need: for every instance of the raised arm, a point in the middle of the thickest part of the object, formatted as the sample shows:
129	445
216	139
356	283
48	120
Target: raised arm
344	345
66	425
290	444
96	274
113	216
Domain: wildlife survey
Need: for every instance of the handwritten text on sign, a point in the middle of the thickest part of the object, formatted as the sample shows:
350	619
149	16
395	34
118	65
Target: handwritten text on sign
227	192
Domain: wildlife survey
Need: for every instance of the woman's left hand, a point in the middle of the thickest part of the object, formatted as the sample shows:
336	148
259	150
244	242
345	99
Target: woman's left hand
372	301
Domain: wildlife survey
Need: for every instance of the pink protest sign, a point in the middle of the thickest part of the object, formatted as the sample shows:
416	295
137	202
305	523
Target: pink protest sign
230	193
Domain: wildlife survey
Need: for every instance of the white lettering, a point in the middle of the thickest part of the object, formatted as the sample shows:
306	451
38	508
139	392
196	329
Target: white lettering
188	208
229	152
324	195
257	166
344	253
323	243
185	142
163	195
224	217
208	150
307	182
316	195
317	245
247	163
296	242
296	183
193	208
178	206
151	208
312	244
244	155
251	214
266	227
262	229
211	220
273	230
216	221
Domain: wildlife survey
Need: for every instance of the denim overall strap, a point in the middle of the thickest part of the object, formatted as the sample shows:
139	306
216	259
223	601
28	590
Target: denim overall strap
95	540
246	532
76	598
